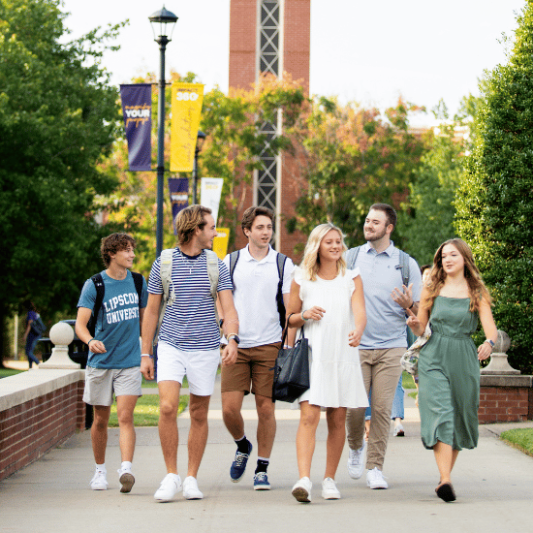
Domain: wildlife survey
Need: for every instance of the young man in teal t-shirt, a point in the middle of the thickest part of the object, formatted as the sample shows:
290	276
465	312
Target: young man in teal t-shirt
114	353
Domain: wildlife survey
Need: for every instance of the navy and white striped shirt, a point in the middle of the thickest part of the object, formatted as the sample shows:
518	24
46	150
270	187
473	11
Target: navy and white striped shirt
190	324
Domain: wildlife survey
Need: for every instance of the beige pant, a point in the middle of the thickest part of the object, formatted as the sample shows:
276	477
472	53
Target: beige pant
381	370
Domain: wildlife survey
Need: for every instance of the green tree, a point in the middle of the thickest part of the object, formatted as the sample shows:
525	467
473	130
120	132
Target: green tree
494	207
58	115
426	216
352	157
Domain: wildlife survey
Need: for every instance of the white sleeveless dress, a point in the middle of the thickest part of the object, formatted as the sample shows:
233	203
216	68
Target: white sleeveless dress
336	378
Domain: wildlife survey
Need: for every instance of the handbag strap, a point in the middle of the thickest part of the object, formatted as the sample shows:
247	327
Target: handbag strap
285	332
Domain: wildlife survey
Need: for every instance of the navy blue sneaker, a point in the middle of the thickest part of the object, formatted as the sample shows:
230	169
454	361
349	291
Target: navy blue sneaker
239	464
261	481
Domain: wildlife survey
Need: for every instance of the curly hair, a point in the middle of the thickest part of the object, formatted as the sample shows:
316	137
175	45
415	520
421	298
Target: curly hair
115	243
311	259
476	288
188	220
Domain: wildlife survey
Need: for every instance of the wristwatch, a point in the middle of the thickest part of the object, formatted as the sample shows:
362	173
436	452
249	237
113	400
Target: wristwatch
235	337
491	342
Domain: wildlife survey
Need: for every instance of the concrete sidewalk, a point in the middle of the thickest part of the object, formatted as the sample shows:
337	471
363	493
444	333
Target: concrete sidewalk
493	484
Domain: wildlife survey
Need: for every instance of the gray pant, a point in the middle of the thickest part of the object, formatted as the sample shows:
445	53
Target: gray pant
381	370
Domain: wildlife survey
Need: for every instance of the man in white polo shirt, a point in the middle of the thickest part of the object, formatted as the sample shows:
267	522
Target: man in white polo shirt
261	279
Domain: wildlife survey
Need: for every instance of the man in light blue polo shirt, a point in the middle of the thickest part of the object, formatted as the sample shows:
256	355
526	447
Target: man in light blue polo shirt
384	340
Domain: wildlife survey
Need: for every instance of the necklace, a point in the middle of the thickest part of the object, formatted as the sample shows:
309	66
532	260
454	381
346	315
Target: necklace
190	264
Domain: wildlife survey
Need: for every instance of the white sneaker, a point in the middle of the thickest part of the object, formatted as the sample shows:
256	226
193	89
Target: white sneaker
399	431
356	462
126	479
99	481
169	486
329	490
302	490
190	489
375	479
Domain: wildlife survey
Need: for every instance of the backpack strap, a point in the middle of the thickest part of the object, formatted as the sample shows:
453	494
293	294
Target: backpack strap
213	273
404	267
100	293
233	258
280	261
138	280
169	295
351	257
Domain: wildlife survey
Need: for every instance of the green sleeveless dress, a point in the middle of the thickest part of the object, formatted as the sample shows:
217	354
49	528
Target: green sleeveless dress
448	383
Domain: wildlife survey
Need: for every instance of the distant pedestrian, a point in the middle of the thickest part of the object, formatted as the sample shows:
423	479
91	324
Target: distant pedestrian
327	300
117	298
33	332
452	301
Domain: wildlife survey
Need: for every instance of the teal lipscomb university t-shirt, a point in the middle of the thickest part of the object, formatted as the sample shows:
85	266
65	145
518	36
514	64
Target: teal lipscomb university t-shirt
117	323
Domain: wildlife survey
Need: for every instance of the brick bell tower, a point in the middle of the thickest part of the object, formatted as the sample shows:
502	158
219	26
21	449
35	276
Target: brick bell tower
271	36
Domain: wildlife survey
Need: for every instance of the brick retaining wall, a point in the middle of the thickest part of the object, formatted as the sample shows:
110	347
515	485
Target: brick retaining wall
505	399
38	411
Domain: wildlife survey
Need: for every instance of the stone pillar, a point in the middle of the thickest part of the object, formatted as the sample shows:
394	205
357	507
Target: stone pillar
498	360
61	335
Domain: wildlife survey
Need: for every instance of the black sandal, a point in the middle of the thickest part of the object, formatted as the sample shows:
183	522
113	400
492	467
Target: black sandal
445	492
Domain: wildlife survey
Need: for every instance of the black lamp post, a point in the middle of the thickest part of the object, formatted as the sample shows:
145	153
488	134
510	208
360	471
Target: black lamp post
199	144
163	23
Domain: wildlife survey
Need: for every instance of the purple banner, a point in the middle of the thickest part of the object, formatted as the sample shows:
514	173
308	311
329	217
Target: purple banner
179	196
137	111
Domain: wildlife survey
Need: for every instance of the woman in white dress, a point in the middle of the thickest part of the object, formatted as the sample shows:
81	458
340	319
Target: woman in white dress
327	300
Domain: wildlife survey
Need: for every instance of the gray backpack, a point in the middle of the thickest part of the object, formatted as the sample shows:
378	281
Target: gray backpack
351	258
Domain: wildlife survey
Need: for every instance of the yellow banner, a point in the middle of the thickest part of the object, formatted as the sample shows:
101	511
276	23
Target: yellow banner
220	242
187	101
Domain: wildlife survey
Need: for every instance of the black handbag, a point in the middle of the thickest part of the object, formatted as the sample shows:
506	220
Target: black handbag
291	372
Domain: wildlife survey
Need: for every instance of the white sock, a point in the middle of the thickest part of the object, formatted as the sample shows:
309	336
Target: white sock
126	466
101	468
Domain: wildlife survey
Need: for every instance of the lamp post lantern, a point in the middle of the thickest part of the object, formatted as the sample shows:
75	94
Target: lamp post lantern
163	23
199	144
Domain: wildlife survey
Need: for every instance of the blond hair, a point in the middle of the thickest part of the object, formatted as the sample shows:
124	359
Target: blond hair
311	261
188	220
476	288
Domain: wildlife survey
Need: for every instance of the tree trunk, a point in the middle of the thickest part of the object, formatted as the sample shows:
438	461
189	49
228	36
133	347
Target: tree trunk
4	340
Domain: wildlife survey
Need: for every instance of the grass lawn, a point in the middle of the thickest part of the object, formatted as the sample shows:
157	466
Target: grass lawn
146	411
153	384
520	438
408	381
6	372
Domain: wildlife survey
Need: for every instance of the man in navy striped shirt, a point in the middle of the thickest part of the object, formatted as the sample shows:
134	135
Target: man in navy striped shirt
188	343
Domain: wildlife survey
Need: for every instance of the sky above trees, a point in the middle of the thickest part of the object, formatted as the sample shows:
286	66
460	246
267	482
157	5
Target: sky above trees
366	51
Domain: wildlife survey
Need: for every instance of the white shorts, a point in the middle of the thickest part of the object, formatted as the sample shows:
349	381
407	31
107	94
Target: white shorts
200	367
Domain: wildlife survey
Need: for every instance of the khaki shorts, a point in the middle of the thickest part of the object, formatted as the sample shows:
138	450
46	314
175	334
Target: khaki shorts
101	383
253	368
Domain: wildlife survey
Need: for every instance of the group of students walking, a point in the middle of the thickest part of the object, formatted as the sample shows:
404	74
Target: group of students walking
352	305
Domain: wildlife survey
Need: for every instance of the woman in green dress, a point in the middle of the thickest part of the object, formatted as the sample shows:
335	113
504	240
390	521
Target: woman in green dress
452	301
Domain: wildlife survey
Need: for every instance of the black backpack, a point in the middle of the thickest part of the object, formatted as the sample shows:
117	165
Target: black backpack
37	326
100	293
280	261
